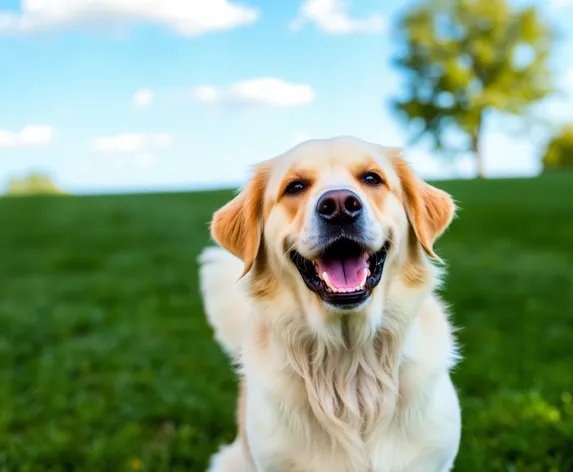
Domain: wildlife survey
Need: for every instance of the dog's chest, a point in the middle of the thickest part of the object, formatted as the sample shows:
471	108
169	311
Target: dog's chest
415	440
387	450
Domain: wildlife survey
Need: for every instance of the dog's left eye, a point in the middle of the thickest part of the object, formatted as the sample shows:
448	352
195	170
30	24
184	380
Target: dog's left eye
295	187
372	178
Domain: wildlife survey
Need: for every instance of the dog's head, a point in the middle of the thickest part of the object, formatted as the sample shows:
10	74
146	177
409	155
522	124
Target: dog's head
330	222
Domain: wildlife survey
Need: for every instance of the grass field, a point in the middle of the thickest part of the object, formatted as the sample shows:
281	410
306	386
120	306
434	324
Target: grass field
107	364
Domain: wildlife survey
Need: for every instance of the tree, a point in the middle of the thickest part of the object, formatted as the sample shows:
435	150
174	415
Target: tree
464	58
559	152
32	184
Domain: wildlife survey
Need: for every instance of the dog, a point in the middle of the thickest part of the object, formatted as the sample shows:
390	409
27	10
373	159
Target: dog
321	289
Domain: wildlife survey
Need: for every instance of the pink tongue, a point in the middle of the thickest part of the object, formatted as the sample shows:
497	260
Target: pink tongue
344	273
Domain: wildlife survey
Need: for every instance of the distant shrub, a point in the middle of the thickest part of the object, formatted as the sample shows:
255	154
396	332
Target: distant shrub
518	432
32	184
559	152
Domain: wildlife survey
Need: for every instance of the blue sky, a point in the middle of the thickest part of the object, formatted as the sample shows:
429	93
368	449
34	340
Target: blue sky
123	95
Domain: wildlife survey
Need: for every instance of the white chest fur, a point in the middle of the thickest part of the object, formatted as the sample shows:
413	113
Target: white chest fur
421	433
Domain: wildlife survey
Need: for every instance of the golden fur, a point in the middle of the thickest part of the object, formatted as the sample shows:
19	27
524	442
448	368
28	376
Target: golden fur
323	390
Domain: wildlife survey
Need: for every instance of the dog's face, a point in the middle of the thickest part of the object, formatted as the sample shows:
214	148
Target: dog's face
329	219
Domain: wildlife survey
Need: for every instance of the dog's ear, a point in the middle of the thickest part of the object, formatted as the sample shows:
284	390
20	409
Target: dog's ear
430	210
238	226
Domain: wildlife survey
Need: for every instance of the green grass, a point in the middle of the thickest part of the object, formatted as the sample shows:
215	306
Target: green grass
107	364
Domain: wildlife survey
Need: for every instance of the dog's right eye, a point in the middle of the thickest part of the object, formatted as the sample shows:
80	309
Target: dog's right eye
295	187
372	179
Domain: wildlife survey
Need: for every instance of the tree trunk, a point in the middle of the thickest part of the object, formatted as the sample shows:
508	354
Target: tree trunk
477	152
478	158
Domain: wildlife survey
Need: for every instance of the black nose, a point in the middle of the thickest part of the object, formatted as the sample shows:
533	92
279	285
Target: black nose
339	207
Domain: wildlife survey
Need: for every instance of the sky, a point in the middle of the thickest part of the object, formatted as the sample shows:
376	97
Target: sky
144	95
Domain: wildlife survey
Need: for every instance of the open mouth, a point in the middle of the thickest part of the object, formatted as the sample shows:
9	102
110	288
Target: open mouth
344	274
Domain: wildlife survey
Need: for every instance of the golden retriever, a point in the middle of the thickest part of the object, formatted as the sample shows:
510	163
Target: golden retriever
323	293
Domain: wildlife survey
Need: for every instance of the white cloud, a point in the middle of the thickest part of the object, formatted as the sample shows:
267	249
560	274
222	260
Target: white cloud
331	16
28	136
136	162
185	17
129	143
559	4
143	98
268	91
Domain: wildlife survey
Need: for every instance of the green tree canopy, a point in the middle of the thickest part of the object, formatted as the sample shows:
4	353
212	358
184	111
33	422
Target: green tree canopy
462	58
559	152
33	184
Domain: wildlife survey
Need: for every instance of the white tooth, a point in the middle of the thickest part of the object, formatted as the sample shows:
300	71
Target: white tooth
327	281
358	287
368	272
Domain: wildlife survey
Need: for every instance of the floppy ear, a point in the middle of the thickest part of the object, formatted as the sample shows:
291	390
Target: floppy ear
237	226
430	210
